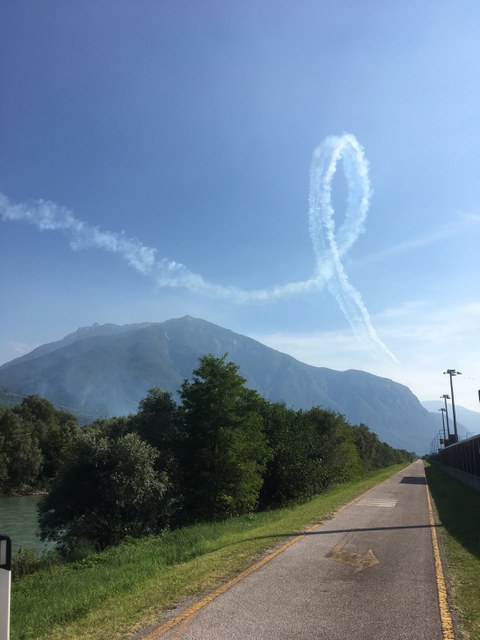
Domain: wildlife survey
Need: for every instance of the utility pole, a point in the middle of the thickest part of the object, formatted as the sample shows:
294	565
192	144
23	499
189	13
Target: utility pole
447	397
451	373
443	424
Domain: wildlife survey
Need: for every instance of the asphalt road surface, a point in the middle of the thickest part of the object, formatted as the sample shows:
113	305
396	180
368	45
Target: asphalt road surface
366	574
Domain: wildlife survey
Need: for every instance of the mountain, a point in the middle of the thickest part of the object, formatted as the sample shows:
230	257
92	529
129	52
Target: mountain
9	398
104	370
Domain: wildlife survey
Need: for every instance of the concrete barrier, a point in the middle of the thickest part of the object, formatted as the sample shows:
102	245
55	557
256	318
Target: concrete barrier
462	476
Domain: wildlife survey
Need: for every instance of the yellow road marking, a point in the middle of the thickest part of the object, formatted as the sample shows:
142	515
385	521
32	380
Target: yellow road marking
157	633
182	627
195	608
445	615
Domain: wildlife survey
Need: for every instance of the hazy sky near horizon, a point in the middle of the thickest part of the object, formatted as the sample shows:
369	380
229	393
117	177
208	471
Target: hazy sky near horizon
177	137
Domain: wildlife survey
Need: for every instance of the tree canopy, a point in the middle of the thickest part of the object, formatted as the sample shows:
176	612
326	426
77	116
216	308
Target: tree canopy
221	451
33	438
105	490
226	449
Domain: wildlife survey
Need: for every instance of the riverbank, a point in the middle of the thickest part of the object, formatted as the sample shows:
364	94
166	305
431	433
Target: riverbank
113	594
25	491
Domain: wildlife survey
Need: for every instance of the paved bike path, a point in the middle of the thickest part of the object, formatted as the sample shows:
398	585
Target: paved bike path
366	574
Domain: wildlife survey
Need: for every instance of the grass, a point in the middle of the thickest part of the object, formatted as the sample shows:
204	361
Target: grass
458	508
111	595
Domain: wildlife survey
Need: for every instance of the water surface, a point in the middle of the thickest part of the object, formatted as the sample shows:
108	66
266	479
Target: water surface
18	519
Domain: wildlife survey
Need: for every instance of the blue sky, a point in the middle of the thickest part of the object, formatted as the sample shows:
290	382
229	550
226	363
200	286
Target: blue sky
183	132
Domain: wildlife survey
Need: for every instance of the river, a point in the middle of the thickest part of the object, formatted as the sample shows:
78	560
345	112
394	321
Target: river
18	519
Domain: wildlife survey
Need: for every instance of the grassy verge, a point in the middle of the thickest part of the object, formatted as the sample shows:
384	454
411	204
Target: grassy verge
458	508
110	595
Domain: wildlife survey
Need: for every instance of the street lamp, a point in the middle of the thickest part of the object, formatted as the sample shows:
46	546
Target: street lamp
446	397
451	373
443	423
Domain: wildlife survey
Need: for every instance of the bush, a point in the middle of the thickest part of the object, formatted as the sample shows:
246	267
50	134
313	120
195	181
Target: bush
27	561
24	562
104	491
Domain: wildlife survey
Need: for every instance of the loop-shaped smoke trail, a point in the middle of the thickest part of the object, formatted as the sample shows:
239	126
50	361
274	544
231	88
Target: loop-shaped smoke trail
329	244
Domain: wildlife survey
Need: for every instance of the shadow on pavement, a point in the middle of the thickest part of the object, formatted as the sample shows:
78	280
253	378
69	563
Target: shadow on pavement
325	532
413	480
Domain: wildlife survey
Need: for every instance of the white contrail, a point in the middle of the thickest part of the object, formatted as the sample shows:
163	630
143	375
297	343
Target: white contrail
330	244
48	216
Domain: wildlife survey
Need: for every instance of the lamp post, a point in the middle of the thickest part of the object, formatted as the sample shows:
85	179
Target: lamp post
443	424
446	397
451	373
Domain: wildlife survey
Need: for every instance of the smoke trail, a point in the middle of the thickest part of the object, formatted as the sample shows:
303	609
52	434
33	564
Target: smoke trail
48	216
329	244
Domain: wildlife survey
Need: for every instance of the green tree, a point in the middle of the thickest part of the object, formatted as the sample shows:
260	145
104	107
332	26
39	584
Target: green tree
19	451
368	447
52	427
111	428
3	461
105	490
335	451
225	449
159	423
292	473
376	454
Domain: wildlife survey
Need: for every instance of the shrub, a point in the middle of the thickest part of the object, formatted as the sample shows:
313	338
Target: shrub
24	562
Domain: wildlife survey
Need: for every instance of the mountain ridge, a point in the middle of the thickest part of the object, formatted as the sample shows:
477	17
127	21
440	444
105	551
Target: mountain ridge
105	370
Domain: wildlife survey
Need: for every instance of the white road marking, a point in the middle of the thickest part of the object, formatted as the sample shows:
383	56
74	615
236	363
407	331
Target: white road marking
377	502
